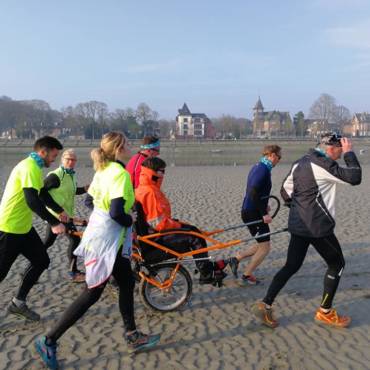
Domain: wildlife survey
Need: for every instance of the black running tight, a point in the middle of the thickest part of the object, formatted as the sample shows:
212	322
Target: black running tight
31	247
123	275
329	249
73	244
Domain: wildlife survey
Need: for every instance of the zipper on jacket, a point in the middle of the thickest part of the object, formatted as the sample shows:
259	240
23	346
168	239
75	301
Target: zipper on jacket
322	208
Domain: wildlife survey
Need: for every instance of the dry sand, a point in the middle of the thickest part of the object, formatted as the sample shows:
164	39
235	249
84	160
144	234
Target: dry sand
216	330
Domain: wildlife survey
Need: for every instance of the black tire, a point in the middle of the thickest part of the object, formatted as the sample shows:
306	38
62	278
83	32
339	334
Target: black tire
274	203
166	301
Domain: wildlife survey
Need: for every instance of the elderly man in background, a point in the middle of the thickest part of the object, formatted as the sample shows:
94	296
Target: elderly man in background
62	186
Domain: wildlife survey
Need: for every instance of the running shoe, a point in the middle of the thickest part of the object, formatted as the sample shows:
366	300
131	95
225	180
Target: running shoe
76	276
23	311
234	264
332	319
250	280
139	341
47	353
264	315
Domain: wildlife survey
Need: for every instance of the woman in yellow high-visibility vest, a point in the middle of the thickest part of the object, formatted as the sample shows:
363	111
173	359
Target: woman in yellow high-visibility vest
105	247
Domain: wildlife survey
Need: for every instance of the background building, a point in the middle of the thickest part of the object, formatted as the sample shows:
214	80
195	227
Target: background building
193	125
272	123
360	124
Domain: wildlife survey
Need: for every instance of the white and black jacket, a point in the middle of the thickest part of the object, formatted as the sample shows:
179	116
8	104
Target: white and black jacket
310	189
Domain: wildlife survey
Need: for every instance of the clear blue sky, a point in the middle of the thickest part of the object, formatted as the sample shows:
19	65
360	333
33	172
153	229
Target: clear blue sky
216	55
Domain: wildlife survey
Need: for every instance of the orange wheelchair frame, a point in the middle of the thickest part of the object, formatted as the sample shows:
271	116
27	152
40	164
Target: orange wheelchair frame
164	285
217	245
167	285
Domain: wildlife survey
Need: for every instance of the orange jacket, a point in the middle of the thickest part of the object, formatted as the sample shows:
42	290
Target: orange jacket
156	207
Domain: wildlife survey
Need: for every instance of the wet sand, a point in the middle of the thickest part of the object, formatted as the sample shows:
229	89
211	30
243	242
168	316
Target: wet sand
216	330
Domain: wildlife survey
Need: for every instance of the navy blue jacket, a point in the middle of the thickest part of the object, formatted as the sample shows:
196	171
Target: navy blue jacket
258	190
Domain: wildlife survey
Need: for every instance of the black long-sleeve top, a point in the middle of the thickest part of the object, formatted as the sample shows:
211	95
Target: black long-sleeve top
37	204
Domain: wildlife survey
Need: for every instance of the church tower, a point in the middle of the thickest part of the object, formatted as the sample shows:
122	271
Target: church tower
258	110
258	118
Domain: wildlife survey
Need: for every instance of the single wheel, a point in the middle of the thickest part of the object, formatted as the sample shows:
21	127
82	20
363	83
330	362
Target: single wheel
166	300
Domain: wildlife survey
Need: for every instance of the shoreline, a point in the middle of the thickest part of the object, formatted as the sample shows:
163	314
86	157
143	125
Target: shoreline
218	153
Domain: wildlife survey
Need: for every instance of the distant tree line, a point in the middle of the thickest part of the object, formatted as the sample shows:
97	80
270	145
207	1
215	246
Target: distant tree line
29	118
26	118
230	127
20	117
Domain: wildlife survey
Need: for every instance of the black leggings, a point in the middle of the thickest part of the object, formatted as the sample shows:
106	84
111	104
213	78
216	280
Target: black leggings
126	282
74	241
31	247
329	249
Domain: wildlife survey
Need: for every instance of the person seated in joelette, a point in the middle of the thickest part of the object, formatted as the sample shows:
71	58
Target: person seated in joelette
157	213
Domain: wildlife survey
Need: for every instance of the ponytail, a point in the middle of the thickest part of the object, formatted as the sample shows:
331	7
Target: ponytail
109	145
99	159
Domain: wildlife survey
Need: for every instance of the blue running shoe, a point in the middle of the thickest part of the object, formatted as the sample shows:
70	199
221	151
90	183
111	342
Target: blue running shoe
47	353
139	341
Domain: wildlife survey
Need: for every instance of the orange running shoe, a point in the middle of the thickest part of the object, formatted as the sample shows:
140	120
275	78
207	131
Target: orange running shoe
264	315
332	319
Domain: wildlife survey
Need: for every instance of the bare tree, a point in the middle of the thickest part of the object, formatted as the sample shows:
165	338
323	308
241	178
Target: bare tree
124	114
92	110
325	108
37	104
343	114
143	113
228	126
92	113
166	127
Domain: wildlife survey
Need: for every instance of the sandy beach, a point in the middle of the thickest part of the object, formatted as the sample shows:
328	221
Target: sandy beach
216	330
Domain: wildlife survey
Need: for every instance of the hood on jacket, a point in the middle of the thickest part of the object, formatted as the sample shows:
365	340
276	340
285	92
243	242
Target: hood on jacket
150	177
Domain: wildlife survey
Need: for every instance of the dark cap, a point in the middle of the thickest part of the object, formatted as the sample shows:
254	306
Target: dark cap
331	138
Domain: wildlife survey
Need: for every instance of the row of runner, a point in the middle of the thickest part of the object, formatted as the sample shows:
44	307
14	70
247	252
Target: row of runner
309	191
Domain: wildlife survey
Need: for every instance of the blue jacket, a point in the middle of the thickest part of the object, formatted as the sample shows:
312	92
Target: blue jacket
258	190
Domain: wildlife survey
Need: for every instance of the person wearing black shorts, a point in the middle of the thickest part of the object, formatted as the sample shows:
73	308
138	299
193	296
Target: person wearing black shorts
309	190
255	208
